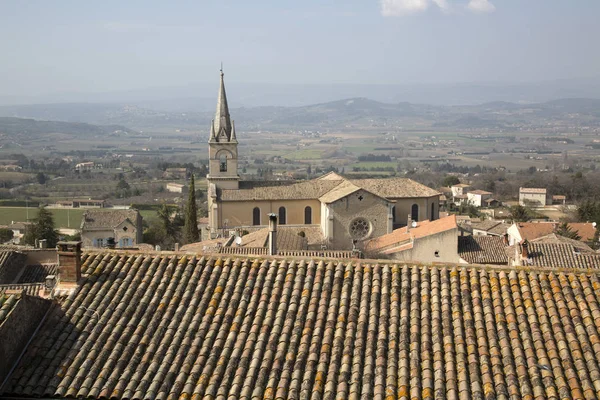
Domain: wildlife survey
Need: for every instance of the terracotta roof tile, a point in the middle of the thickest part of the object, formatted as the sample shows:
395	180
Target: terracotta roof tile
554	238
97	219
482	249
561	255
479	192
159	326
533	190
391	188
534	230
403	235
314	189
7	303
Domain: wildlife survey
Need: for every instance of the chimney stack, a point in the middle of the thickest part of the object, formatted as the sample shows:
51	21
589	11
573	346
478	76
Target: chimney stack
506	240
69	261
272	234
409	223
525	249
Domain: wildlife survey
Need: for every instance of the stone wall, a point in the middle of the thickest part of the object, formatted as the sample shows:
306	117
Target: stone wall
438	248
239	213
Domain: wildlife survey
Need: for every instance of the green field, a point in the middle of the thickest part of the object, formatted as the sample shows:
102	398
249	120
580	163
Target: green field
63	218
375	164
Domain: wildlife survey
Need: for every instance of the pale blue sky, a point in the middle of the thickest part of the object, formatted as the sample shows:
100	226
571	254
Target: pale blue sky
53	46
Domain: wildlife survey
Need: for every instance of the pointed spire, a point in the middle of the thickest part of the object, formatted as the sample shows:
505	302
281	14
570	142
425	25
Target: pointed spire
233	138
222	118
212	131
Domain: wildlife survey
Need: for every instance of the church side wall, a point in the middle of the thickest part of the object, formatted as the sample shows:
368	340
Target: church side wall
239	213
404	206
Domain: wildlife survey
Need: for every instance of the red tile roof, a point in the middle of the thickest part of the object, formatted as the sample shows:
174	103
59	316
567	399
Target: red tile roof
158	326
402	235
534	230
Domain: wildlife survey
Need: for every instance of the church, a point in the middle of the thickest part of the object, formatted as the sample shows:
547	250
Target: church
339	213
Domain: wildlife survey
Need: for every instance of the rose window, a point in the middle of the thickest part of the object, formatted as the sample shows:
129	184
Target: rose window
359	228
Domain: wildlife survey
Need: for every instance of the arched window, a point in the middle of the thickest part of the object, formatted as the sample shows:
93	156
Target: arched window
282	216
256	216
223	163
307	215
414	212
394	214
432	216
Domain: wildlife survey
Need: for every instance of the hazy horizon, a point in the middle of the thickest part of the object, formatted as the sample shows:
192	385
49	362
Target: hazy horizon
81	47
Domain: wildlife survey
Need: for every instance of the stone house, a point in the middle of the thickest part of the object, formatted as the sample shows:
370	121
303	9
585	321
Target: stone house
124	226
477	198
174	187
532	196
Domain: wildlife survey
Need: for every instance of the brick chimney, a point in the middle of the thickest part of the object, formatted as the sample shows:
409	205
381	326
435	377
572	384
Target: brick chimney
69	261
525	250
272	234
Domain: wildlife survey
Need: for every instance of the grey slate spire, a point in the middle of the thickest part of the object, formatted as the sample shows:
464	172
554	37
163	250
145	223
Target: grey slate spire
222	122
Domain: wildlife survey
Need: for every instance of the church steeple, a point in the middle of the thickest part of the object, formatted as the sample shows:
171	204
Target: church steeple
222	123
222	146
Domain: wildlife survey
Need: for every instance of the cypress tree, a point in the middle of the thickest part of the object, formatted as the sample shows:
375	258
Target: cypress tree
190	227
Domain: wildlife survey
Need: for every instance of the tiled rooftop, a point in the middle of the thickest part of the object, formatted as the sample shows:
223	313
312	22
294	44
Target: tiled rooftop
317	188
482	249
532	190
561	255
151	326
7	303
554	238
534	230
108	219
37	273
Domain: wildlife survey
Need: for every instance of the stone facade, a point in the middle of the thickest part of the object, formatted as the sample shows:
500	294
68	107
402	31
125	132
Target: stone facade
358	207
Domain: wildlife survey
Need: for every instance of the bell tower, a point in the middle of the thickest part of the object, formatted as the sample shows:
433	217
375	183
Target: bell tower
223	147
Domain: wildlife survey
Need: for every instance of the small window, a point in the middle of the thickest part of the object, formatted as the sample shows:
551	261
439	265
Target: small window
282	216
256	216
394	214
124	229
307	215
223	163
414	212
432	216
437	253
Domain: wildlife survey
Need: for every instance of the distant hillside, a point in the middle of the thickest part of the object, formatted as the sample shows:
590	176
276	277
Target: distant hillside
21	126
351	112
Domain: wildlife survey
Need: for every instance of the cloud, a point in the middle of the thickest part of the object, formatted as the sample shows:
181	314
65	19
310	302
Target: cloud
482	6
443	4
396	8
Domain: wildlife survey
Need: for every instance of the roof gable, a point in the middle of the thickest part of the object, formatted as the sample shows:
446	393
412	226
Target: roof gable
107	219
